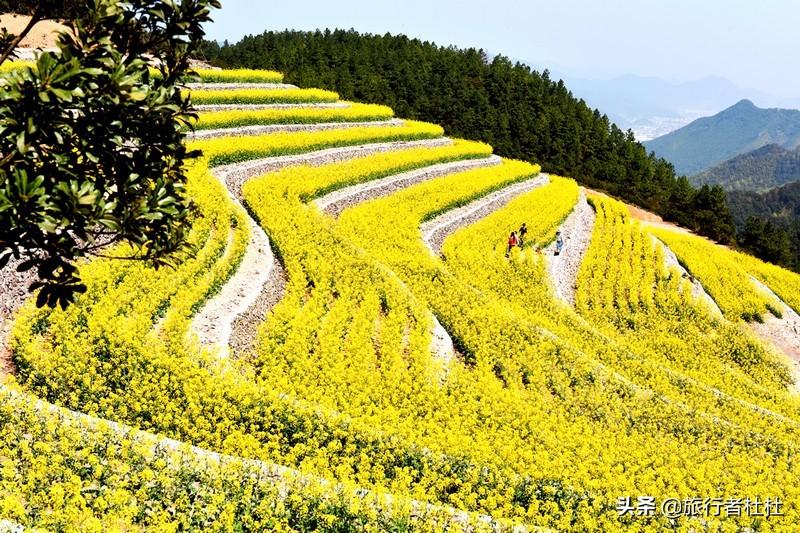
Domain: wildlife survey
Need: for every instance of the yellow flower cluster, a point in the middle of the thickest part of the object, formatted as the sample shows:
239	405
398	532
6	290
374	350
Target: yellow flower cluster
63	473
303	115
624	285
238	75
262	96
723	277
784	283
546	415
510	344
226	150
207	75
10	66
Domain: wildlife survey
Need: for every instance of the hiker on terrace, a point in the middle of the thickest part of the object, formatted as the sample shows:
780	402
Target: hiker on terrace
523	231
512	242
559	242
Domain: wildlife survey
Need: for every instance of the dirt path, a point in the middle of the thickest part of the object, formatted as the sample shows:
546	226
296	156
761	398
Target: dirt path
782	333
232	317
442	349
7	526
274	128
577	234
435	231
698	291
13	293
214	324
339	200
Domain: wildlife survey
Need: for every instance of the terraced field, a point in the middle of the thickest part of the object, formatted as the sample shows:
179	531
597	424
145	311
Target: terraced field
352	348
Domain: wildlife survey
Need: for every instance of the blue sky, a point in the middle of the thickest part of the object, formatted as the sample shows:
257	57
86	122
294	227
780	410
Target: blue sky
755	44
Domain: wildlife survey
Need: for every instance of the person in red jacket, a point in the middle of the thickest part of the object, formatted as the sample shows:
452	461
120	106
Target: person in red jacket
512	242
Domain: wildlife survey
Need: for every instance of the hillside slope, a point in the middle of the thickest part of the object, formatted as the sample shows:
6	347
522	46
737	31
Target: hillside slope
354	377
522	113
760	170
741	128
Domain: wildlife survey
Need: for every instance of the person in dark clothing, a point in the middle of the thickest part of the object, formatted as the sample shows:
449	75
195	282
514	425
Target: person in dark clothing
559	243
523	231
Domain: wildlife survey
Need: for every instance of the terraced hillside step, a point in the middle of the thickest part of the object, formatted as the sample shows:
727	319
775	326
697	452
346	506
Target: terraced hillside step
232	86
236	174
233	316
256	107
337	201
283	477
435	231
274	128
698	291
262	95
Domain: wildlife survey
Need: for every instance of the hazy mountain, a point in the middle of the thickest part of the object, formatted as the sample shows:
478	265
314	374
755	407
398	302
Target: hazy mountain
635	97
741	128
652	106
760	170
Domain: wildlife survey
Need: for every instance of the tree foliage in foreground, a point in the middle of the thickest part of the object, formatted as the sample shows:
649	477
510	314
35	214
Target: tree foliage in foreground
91	144
522	113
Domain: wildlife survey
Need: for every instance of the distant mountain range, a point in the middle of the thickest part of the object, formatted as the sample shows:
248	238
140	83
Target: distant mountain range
741	128
760	170
633	98
652	106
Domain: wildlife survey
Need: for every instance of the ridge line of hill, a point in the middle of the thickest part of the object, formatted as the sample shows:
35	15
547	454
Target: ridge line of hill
741	128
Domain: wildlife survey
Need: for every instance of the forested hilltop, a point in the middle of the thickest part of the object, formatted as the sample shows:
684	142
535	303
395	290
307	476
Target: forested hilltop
769	223
760	170
522	113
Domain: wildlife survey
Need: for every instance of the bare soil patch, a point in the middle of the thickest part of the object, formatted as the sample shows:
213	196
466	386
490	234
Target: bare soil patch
13	293
43	34
784	332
